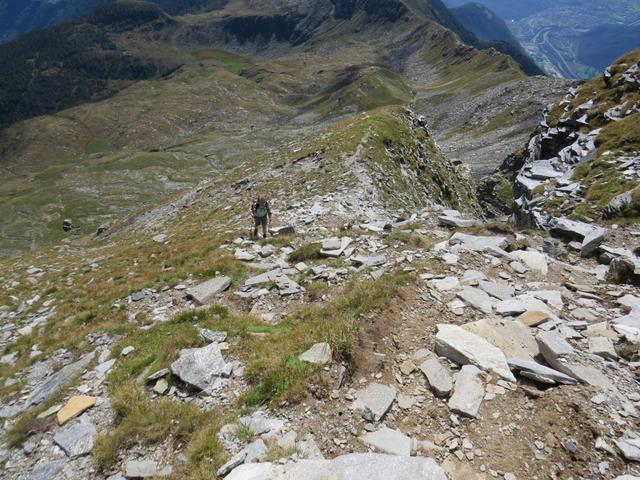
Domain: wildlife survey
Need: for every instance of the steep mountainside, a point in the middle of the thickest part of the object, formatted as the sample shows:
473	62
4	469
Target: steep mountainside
584	162
486	25
226	85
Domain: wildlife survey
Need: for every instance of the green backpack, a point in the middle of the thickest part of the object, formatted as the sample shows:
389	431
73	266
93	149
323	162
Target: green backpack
261	212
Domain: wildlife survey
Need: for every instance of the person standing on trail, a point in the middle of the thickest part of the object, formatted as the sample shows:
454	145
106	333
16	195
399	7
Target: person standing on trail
261	211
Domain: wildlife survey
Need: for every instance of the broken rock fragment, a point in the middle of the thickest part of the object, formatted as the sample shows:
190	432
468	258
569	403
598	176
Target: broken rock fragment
201	368
468	392
466	348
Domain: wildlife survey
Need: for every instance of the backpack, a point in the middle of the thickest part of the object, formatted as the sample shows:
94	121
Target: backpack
261	211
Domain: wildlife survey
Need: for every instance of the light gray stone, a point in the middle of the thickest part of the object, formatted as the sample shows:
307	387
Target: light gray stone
468	392
552	346
146	469
445	284
389	441
255	451
520	304
477	243
48	471
319	354
514	339
501	291
206	292
356	466
259	423
630	448
540	371
76	440
57	381
438	377
367	262
377	398
477	298
201	367
210	336
466	348
534	260
592	241
603	347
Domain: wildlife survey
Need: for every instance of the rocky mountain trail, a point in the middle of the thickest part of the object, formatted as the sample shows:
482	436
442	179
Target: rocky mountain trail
383	322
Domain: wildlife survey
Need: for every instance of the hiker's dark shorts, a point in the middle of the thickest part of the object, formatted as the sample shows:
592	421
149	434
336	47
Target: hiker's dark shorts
261	221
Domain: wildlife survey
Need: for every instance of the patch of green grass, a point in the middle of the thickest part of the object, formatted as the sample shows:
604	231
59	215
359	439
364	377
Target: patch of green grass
410	240
98	146
232	62
621	137
306	252
142	421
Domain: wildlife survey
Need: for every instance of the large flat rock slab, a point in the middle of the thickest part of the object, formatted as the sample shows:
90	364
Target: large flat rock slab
512	337
466	348
57	381
356	466
206	292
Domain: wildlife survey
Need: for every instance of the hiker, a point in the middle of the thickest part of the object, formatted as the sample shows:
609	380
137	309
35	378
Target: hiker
261	211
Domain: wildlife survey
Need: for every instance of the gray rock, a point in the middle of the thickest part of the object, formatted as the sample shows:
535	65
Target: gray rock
209	290
478	243
210	336
466	348
367	262
497	290
243	255
630	448
533	259
570	228
540	371
468	392
319	354
159	374
477	298
592	241
552	346
281	231
456	220
48	471
389	441
76	440
102	369
201	367
57	381
146	469
255	451
355	466
520	304
438	377
259	423
513	338
603	347
377	398
234	462
335	247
